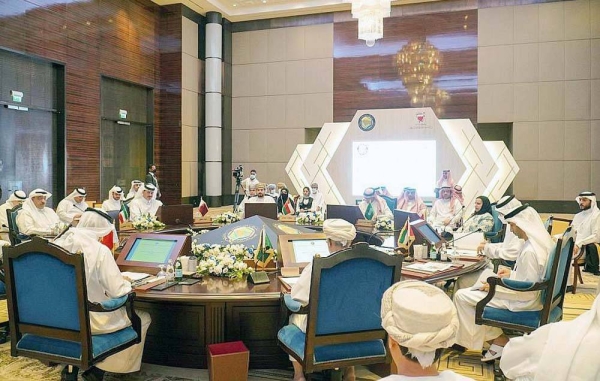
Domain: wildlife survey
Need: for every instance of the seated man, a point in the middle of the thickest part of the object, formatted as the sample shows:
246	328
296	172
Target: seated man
135	186
251	193
340	235
145	202
71	207
104	282
530	267
115	194
420	321
318	204
373	206
260	197
560	351
446	211
587	230
272	191
411	202
17	198
35	218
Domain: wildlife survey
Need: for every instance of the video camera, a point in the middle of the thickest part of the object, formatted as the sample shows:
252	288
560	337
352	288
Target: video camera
238	172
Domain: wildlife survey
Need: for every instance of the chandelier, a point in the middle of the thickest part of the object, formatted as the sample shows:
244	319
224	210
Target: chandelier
370	14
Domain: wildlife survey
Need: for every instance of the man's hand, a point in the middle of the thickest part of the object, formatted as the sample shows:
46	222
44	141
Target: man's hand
485	286
503	272
480	248
447	221
576	250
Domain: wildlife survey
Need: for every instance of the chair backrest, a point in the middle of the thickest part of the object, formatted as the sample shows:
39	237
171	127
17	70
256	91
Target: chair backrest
13	229
47	294
345	295
557	225
498	227
557	271
390	201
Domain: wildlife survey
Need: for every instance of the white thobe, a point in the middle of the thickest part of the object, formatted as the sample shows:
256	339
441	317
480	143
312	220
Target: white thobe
446	375
318	203
255	200
559	351
131	194
443	210
111	205
3	217
247	183
67	210
38	221
141	206
471	335
587	226
379	209
301	293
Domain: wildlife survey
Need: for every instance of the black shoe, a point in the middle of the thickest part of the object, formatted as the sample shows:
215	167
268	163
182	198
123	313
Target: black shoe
597	273
65	375
93	374
458	348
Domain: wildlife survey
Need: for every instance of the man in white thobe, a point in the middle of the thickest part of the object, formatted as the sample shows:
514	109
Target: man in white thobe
508	249
446	211
17	198
260	198
250	181
530	267
135	186
251	193
145	202
421	321
559	351
410	201
115	194
71	207
373	206
318	204
339	234
35	218
104	282
587	230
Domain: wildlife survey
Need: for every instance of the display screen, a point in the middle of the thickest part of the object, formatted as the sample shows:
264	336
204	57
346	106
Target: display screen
151	250
394	164
306	249
429	234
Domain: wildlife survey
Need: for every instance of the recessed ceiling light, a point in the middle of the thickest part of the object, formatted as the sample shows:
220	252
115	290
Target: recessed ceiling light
235	5
264	1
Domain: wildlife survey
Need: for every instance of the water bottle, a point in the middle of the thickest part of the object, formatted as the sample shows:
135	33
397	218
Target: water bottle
433	253
178	270
170	271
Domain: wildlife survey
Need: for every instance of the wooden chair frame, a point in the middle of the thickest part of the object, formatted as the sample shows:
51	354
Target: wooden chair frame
13	229
83	336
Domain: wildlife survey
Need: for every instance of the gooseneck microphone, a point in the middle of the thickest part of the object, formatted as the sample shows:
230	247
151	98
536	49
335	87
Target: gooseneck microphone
455	214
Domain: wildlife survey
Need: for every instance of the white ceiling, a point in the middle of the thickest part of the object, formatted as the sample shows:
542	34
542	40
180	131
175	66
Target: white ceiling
243	10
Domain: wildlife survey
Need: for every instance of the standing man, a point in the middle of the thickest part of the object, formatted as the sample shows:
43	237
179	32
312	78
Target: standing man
17	198
373	206
151	179
35	217
318	204
250	181
72	207
587	227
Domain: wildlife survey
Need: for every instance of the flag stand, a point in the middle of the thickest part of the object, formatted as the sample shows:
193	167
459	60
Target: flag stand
258	277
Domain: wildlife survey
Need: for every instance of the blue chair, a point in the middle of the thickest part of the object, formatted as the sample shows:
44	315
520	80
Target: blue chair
498	230
552	289
344	322
49	310
13	230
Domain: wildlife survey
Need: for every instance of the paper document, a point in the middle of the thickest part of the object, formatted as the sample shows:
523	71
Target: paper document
483	278
464	253
468	241
306	249
134	276
291	280
430	267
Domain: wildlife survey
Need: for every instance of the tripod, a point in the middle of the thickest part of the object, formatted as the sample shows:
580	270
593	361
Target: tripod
236	198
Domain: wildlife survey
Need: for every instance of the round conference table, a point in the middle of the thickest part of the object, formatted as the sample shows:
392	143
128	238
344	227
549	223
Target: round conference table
185	319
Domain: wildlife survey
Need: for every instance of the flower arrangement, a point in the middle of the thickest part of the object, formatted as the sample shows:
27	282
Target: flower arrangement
223	261
310	218
384	223
146	222
226	218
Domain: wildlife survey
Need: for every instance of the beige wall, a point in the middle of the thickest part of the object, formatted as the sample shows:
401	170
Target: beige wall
539	67
282	84
190	93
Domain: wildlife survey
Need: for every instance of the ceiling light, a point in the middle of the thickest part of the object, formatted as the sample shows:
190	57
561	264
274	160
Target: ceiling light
370	14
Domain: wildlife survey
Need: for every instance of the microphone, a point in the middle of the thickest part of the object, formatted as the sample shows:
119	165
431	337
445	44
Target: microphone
63	232
376	233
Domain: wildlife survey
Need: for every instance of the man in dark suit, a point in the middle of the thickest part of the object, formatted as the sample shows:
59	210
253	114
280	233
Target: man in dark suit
151	178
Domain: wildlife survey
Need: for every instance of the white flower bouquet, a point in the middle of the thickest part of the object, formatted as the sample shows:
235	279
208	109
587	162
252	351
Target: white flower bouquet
226	218
146	222
384	223
310	218
223	261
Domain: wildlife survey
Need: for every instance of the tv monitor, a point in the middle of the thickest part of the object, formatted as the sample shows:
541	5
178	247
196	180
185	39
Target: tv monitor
176	214
350	213
146	251
427	232
268	210
298	250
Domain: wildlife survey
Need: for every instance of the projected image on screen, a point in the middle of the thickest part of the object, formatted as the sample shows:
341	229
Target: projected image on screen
395	164
151	250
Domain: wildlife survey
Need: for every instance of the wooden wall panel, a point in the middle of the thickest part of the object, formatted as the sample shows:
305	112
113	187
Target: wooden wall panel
114	38
368	78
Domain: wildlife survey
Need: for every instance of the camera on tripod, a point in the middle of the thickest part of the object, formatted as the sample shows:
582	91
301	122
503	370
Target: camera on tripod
238	172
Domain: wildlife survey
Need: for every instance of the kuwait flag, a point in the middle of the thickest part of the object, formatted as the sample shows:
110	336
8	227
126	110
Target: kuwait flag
124	213
406	236
202	208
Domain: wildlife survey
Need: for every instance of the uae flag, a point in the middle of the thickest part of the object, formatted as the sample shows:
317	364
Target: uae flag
287	207
203	208
406	236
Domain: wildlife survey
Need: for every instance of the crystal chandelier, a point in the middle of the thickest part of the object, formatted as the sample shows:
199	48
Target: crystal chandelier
370	14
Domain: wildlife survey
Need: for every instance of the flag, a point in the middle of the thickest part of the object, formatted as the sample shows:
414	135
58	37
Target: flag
264	250
287	207
202	208
124	213
369	213
406	236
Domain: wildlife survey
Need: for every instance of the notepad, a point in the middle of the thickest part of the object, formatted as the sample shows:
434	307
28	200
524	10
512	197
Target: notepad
134	276
430	267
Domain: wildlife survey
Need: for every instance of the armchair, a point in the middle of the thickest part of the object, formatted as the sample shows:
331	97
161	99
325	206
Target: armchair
552	293
497	233
49	310
13	229
344	323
